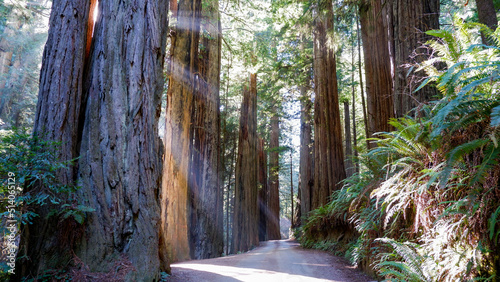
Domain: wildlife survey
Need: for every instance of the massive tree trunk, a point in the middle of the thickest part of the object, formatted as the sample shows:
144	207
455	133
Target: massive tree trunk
328	152
273	223
205	224
120	164
57	118
306	170
488	16
379	86
263	191
178	137
245	221
411	19
116	104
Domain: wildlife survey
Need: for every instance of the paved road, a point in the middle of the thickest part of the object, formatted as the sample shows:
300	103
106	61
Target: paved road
282	260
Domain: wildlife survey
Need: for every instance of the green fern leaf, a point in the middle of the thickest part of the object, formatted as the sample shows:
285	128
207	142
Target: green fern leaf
456	154
495	116
492	223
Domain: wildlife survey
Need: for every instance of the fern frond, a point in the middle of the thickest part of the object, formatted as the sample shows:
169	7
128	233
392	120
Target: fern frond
492	226
456	154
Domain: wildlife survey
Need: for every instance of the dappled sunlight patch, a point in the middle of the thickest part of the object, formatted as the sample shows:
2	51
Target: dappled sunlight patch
245	274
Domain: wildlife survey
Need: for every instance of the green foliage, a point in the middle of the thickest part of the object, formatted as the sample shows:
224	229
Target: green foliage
29	166
409	269
427	206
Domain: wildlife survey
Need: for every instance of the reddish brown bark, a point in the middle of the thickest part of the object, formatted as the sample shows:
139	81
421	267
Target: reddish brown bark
348	144
120	164
273	223
263	191
328	150
178	132
205	191
306	169
379	86
245	218
113	102
411	18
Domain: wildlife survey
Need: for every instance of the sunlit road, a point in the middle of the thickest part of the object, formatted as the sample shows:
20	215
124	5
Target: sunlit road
282	260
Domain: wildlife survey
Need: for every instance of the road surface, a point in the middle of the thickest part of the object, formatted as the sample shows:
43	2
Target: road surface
281	260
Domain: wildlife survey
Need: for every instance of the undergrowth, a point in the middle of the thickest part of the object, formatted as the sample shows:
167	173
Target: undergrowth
427	205
29	169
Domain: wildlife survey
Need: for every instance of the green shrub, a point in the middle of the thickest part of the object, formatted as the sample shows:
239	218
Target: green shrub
29	166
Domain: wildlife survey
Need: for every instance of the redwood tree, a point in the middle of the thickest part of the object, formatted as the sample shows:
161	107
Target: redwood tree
245	217
113	98
328	151
379	86
58	117
178	136
411	19
205	222
306	169
263	191
273	222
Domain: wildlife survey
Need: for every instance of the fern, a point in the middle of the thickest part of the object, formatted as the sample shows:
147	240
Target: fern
494	232
407	270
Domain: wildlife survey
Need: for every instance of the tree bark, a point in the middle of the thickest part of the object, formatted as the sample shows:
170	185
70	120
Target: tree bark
306	171
245	221
379	86
354	125
114	100
329	167
348	144
263	191
205	225
488	16
43	244
120	163
273	223
361	86
178	132
411	19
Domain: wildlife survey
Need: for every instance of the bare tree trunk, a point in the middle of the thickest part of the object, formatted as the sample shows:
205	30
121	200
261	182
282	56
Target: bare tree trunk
292	213
488	16
348	145
306	171
120	164
377	66
114	101
361	86
354	126
57	118
175	185
205	225
245	222
263	191
329	167
411	18
273	223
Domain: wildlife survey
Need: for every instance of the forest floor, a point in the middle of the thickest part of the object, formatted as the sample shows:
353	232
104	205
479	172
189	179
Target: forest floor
281	260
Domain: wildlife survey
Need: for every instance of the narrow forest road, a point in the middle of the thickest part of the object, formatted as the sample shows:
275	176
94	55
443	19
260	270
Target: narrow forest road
282	260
